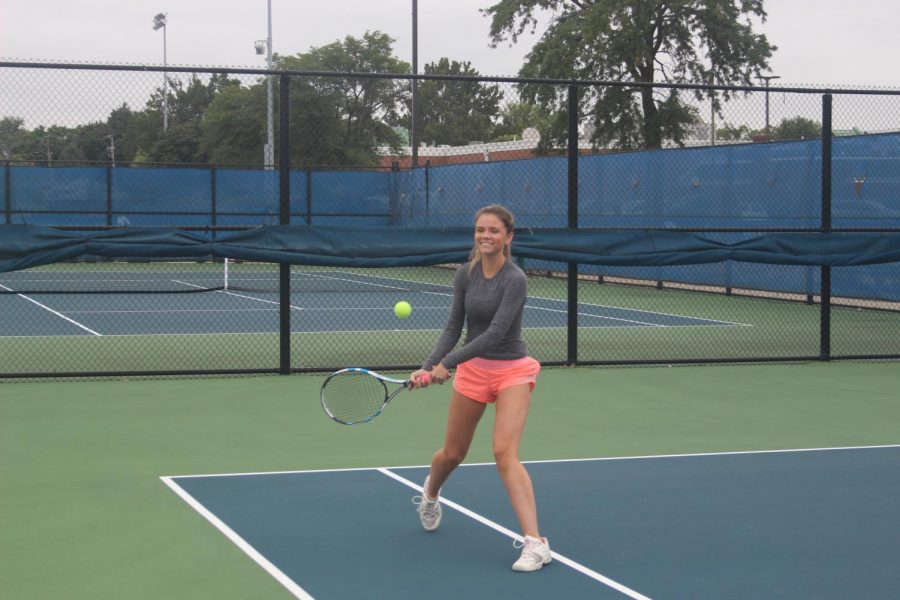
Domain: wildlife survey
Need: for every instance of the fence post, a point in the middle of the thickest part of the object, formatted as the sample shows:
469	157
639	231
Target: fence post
7	190
825	283
213	199
394	200
572	275
428	192
109	195
284	218
309	196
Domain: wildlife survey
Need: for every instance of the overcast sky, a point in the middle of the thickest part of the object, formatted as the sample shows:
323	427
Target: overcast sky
819	41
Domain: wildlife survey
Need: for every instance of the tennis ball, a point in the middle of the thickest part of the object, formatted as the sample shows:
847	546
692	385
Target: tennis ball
402	309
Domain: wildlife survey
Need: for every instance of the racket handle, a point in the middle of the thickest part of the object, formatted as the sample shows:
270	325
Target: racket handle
425	379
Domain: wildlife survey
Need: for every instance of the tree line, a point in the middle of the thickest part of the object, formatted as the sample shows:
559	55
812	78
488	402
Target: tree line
353	121
333	120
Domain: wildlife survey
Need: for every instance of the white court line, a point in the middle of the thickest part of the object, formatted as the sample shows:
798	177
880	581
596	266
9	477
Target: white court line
581	314
58	314
240	542
649	312
703	454
547	461
639	310
497	527
530	297
391	287
238	295
588	304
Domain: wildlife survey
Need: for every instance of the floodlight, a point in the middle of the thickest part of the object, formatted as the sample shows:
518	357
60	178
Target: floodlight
260	46
159	22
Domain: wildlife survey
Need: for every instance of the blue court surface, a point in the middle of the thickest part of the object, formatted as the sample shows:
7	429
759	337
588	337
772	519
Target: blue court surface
249	312
816	523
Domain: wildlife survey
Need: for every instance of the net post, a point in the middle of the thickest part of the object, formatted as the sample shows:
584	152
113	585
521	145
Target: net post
825	279
284	218
225	266
572	274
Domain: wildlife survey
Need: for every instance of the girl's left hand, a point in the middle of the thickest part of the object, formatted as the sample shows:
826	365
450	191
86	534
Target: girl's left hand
439	374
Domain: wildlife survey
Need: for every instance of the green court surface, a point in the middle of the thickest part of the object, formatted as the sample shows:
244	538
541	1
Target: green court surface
84	513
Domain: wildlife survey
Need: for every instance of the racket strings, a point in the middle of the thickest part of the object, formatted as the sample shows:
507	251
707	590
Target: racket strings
353	397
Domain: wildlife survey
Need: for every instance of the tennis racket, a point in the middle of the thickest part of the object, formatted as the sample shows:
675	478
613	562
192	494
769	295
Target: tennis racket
355	395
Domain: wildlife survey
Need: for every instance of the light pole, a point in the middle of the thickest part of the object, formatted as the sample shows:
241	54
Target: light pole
414	129
159	22
767	79
47	137
266	46
712	110
111	149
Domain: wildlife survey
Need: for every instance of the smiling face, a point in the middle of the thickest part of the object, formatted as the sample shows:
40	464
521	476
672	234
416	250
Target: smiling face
491	235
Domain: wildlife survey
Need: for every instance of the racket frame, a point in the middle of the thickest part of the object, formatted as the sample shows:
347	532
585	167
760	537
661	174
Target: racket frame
402	383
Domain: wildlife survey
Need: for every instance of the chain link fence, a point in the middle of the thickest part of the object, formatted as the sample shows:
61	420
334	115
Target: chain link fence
94	147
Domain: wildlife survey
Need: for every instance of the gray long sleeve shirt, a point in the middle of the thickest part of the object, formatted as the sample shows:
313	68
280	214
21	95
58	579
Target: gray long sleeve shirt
492	312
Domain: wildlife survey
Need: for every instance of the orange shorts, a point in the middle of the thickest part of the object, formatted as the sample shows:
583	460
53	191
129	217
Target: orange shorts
482	379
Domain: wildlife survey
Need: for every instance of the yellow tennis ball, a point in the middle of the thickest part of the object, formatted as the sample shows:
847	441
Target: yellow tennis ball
402	309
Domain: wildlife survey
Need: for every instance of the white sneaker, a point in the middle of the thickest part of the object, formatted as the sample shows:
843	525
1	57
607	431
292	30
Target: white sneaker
429	509
535	554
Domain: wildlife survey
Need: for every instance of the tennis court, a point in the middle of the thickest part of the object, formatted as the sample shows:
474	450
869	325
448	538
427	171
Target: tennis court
133	316
685	526
370	308
691	482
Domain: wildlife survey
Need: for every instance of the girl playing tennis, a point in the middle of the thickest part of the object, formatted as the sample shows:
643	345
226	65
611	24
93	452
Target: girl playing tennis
492	367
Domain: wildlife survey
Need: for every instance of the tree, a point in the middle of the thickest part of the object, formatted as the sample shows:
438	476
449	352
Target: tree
187	106
456	112
41	144
798	128
343	120
733	133
144	128
181	144
516	117
13	137
49	144
119	123
234	130
85	143
189	102
649	41
334	120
